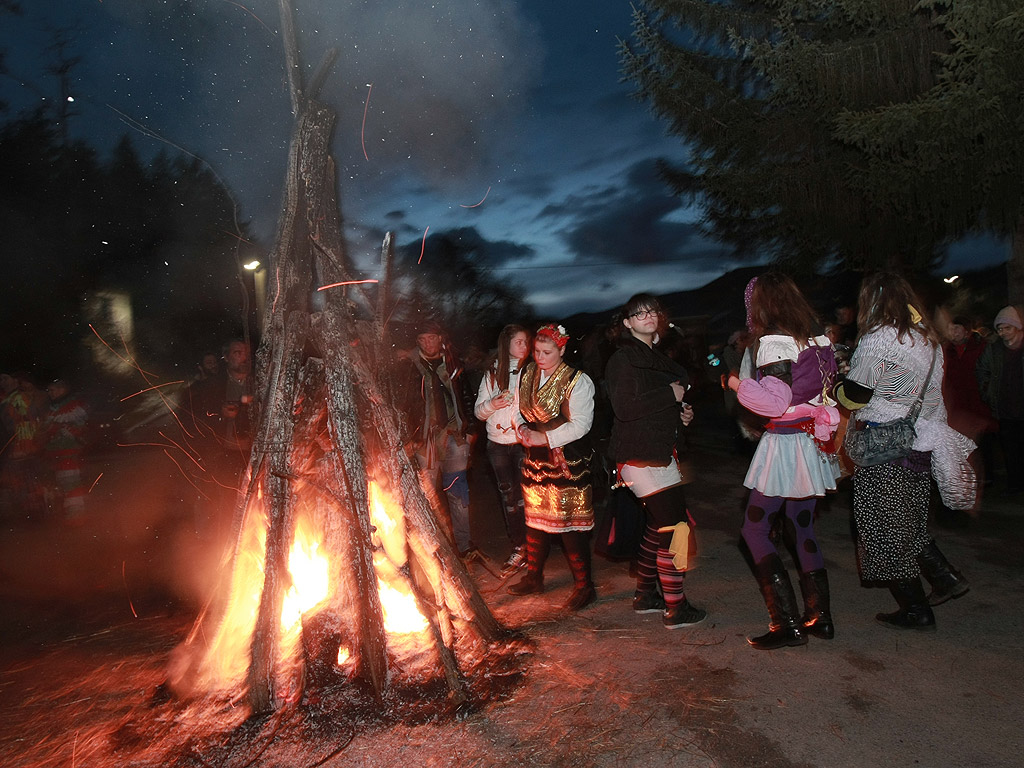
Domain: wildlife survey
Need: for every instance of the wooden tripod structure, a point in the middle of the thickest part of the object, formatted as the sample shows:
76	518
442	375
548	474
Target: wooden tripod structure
321	412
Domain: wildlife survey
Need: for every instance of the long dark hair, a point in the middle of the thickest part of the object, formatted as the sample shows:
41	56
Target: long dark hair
500	367
886	299
635	304
778	306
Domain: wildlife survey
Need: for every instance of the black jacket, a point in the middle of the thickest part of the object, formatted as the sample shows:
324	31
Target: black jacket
646	412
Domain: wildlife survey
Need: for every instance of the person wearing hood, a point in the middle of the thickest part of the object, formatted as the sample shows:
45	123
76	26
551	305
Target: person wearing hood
1000	373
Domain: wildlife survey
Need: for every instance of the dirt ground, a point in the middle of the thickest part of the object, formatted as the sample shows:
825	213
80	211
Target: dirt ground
92	614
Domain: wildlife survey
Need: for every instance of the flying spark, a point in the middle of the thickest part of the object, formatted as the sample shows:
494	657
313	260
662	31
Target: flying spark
423	246
124	578
345	282
149	389
366	106
478	204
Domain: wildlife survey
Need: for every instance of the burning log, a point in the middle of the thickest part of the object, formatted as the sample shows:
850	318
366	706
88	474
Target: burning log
321	540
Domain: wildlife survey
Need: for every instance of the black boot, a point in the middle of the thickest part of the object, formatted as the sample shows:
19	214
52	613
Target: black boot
537	547
817	618
777	590
577	552
947	583
914	612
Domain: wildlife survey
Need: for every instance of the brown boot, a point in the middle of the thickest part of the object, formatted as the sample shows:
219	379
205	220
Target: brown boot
537	547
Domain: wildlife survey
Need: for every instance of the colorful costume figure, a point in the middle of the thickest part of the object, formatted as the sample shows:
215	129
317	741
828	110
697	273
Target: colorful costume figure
65	431
793	465
556	481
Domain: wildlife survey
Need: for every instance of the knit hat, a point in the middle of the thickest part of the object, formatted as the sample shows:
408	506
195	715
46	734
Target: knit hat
1008	316
429	325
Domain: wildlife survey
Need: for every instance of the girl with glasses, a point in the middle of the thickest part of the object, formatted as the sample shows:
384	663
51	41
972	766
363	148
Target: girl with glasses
646	389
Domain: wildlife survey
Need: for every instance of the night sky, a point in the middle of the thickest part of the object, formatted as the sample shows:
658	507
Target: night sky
515	103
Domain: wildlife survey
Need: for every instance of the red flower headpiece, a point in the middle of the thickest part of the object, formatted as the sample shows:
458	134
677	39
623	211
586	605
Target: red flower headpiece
555	333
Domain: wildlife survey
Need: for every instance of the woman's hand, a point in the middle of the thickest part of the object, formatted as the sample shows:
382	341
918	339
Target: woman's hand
531	437
686	415
502	400
678	391
733	382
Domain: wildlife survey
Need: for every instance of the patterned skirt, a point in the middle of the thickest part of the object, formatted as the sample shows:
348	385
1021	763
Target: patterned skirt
557	490
890	508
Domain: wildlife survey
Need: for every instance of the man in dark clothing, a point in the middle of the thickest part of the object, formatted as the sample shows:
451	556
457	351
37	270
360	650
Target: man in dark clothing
1001	381
437	426
220	408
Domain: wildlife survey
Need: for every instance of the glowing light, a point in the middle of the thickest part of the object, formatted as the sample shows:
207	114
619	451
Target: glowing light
227	656
252	265
366	106
345	282
951	279
124	578
423	246
401	615
481	201
150	389
309	572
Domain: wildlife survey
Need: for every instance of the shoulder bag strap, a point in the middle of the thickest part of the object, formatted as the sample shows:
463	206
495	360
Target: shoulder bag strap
915	409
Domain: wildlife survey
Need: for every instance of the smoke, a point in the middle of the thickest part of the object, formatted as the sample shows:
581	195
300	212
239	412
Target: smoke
425	92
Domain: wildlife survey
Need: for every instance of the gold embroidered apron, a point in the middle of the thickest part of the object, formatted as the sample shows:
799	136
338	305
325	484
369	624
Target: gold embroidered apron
556	481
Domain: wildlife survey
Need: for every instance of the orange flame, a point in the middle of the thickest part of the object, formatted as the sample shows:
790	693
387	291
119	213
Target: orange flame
227	657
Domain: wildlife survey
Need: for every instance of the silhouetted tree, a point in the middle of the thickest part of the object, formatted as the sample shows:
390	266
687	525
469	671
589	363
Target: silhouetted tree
757	91
166	233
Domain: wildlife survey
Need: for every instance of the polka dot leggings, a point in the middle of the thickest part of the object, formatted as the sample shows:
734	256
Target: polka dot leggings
757	526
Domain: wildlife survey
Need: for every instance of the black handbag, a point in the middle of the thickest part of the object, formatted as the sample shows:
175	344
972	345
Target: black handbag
873	444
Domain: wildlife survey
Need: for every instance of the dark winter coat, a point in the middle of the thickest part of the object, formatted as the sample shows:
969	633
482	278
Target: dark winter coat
990	376
646	412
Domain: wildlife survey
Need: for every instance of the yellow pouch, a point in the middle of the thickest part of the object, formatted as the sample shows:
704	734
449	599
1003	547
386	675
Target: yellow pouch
683	546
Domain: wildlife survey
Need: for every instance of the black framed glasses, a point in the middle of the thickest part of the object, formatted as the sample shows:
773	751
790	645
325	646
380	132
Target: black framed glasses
643	314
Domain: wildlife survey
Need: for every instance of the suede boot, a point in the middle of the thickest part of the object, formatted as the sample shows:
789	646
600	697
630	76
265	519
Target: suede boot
947	583
577	552
914	612
537	547
776	588
817	618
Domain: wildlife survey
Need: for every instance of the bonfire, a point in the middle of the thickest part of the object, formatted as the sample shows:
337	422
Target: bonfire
342	579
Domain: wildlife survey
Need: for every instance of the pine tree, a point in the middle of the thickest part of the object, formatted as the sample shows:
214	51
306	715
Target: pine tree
954	156
756	88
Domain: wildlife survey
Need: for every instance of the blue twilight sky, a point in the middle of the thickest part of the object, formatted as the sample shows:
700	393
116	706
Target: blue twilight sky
516	103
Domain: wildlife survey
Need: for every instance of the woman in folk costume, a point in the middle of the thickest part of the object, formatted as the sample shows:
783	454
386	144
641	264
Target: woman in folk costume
898	363
795	462
556	404
646	389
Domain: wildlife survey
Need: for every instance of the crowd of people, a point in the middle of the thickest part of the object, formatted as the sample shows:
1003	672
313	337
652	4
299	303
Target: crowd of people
804	383
45	432
558	434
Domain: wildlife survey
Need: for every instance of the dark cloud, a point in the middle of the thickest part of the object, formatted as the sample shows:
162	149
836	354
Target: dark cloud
627	223
492	254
